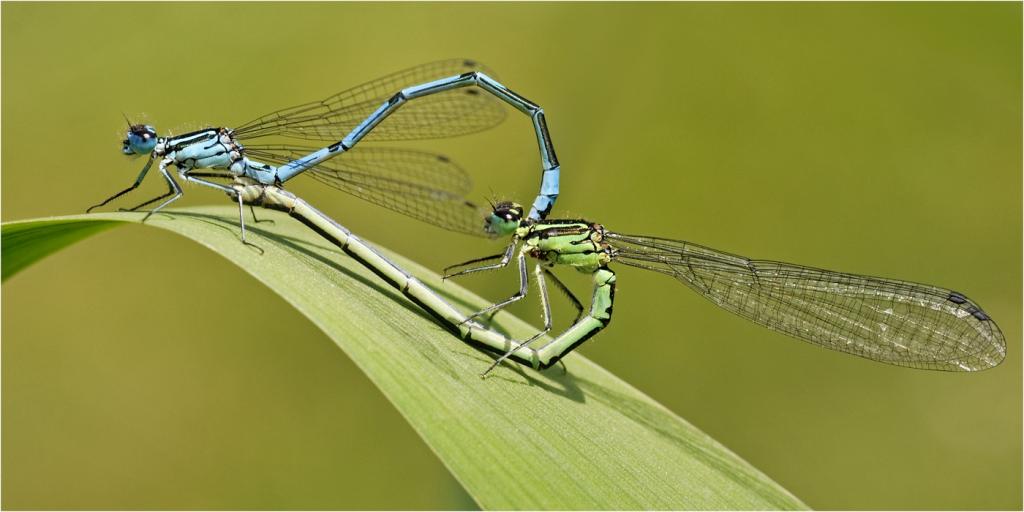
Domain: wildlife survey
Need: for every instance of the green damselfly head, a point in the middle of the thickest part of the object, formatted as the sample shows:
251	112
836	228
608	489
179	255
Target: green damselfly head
140	140
504	219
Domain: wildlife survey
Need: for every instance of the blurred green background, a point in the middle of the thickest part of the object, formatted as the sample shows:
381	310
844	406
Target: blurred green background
872	138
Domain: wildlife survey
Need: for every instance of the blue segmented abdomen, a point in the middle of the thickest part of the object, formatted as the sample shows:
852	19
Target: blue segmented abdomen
259	171
545	201
299	165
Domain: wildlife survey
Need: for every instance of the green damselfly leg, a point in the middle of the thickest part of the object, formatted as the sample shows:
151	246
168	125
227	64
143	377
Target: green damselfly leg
887	320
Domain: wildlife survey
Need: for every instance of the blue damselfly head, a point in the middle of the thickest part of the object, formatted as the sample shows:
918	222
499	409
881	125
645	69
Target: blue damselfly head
504	219
140	140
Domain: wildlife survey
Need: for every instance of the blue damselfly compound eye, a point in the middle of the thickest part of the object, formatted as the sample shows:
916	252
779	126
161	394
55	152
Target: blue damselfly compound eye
141	139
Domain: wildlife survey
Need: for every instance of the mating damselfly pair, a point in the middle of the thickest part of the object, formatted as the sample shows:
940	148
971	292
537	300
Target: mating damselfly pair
891	321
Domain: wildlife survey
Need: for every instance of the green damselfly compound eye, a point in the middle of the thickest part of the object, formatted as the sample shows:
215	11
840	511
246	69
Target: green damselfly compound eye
504	220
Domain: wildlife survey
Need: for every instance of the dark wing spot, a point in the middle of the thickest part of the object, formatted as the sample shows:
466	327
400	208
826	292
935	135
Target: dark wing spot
979	314
956	298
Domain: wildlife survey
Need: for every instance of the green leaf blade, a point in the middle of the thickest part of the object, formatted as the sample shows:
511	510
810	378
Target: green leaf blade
25	243
518	439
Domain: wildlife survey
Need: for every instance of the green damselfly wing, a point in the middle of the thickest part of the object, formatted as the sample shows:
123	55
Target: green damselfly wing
887	320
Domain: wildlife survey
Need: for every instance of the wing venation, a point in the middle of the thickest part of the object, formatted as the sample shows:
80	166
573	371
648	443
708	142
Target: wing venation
896	322
456	112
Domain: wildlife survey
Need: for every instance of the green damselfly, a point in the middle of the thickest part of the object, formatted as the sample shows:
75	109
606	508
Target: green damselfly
891	321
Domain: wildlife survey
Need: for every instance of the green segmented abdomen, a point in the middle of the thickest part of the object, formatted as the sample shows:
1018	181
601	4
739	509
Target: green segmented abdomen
599	316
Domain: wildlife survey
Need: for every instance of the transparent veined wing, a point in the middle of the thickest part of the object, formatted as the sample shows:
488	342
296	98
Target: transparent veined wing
423	185
450	113
896	322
